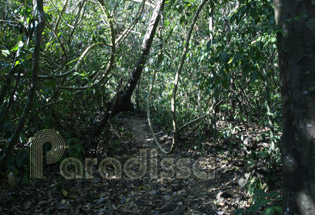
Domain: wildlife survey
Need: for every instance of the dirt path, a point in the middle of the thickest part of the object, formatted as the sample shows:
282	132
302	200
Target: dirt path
164	188
189	195
137	125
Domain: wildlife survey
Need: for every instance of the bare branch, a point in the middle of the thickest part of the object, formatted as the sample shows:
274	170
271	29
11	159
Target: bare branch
147	3
59	40
184	54
61	14
78	64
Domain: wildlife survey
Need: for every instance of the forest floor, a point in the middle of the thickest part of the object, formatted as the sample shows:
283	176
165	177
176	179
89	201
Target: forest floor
159	190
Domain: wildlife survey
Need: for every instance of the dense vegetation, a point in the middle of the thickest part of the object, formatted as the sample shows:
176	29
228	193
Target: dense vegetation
228	78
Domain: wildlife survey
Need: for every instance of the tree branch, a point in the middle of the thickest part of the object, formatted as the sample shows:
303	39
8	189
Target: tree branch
184	54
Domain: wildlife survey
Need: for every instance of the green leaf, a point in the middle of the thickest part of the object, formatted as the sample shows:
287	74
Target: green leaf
29	56
231	60
239	212
278	209
258	205
64	193
269	211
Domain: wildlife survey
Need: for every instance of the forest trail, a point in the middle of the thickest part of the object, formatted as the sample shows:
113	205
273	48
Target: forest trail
178	193
218	194
137	125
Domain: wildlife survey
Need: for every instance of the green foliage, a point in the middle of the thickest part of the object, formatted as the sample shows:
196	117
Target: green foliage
76	150
18	167
231	58
270	202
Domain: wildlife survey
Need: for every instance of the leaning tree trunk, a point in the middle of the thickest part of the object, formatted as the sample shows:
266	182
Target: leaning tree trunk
122	100
296	45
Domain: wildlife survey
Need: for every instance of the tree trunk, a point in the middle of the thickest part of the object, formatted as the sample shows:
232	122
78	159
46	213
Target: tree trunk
122	100
296	46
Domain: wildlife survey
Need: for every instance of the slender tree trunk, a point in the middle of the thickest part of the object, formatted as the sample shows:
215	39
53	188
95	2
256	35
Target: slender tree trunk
122	100
296	46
